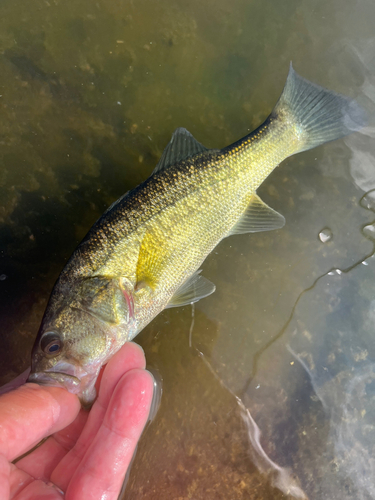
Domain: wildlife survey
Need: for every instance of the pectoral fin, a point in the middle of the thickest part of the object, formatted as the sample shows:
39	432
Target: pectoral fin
195	288
181	146
258	217
150	262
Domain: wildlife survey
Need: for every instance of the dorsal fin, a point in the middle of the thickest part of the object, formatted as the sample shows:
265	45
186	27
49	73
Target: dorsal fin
195	288
181	146
258	217
116	202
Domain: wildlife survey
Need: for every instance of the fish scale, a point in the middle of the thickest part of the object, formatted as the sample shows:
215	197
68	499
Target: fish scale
145	252
240	170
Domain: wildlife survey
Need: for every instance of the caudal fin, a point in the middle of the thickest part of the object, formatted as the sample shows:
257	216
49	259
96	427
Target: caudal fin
317	114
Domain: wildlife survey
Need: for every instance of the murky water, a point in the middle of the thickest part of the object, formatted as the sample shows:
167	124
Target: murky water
269	384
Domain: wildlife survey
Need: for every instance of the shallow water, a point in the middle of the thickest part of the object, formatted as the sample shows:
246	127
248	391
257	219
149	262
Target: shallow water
268	384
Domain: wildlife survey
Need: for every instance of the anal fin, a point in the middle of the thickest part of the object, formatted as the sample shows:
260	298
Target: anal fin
258	217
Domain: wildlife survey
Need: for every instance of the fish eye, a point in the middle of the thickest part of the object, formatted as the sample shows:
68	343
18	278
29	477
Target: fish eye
51	343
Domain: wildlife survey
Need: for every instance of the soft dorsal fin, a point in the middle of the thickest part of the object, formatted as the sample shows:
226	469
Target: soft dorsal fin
258	217
195	288
181	146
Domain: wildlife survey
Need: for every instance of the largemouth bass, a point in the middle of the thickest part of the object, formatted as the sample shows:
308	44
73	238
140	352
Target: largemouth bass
145	252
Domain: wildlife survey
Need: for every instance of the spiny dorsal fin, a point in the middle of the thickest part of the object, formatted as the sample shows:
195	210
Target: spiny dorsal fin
258	217
195	288
116	202
181	146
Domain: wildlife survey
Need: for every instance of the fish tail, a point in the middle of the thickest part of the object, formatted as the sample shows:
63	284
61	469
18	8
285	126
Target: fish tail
317	114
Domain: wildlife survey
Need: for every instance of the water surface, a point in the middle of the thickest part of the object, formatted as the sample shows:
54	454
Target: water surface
268	384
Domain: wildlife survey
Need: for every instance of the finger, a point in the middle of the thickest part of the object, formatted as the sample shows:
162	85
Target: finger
31	413
39	490
130	356
43	460
102	470
18	481
25	487
69	436
4	478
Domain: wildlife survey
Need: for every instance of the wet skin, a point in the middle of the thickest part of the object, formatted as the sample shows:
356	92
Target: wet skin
85	451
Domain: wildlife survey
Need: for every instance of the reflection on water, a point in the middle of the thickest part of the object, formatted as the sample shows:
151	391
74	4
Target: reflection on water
268	385
325	364
325	235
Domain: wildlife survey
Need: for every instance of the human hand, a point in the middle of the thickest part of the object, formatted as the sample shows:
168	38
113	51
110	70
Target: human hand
87	453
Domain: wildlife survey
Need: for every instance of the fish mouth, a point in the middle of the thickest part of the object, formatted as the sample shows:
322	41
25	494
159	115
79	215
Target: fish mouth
72	377
56	379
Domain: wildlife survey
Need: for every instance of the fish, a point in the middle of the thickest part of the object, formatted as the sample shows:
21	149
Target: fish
144	254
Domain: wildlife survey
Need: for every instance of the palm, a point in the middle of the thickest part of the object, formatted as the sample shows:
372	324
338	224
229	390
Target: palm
92	451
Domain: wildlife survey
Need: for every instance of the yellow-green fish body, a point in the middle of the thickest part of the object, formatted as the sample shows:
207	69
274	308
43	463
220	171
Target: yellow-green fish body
145	252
